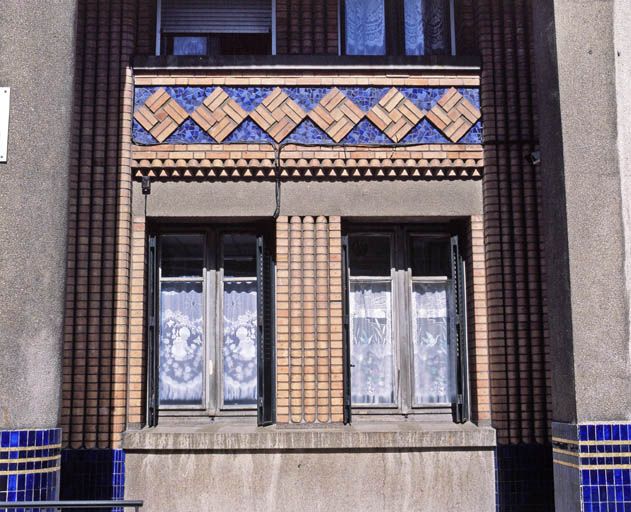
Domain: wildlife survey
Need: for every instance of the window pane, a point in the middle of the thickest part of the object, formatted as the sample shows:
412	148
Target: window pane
430	257
427	27
372	354
434	354
239	346
365	27
239	255
182	255
181	343
370	255
190	45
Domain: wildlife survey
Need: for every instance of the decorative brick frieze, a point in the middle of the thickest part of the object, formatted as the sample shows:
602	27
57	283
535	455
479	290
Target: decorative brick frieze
454	115
395	115
160	115
336	114
219	115
278	114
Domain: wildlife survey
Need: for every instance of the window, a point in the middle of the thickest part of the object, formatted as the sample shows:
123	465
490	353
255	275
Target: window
215	27
405	331
211	337
398	27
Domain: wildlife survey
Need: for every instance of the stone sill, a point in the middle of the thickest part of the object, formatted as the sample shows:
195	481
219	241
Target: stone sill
395	435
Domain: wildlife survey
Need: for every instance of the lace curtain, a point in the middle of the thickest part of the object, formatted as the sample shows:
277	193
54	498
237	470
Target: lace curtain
181	343
433	353
427	27
239	346
365	27
372	357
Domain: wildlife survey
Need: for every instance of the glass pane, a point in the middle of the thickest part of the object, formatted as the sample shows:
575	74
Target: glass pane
182	255
369	255
365	27
239	343
189	45
239	255
427	27
181	343
372	353
431	257
434	353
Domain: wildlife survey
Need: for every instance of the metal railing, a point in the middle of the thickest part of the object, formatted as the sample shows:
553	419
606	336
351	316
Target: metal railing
95	504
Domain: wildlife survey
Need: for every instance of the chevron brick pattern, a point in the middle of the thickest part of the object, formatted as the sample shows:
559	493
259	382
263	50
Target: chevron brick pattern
336	115
454	115
278	114
395	115
219	115
161	115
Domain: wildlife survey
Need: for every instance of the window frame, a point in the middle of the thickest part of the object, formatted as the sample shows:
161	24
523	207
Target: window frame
164	42
213	406
394	20
402	324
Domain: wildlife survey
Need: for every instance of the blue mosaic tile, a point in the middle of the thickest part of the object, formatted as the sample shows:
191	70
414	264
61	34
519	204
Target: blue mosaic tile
308	133
191	133
365	97
423	97
473	136
248	131
248	97
141	136
471	94
190	97
366	133
307	97
425	133
141	94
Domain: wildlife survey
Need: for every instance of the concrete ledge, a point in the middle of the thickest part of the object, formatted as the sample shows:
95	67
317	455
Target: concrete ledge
370	436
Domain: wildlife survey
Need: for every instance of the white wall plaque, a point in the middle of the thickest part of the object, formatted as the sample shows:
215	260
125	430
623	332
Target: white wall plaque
5	94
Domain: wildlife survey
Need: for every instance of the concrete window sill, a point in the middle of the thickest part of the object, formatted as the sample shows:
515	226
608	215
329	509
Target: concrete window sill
364	435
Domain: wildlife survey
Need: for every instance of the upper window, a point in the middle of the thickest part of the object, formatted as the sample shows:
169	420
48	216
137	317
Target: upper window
398	27
215	27
210	339
405	323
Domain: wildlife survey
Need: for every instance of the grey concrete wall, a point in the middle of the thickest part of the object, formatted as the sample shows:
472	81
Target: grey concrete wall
350	199
583	220
296	481
37	61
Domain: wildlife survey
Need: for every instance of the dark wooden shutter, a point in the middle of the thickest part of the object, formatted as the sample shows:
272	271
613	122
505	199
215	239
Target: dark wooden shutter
216	16
152	333
266	350
346	333
461	407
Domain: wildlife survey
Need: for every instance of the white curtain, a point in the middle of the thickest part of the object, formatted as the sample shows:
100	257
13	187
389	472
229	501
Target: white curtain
433	340
181	343
239	346
427	27
365	27
372	355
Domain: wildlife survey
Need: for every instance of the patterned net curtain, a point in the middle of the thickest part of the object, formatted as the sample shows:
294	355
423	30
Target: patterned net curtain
427	27
365	27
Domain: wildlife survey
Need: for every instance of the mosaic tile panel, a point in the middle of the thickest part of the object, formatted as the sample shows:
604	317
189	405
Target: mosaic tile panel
306	115
598	455
29	465
93	474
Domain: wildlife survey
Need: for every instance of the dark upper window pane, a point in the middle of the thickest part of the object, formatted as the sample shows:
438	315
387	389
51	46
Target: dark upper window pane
369	255
182	255
365	26
427	27
239	255
430	257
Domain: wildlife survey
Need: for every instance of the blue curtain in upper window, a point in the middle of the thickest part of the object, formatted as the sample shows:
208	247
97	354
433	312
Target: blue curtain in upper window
365	27
427	27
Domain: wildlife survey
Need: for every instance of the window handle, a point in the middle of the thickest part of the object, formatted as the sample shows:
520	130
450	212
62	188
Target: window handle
211	367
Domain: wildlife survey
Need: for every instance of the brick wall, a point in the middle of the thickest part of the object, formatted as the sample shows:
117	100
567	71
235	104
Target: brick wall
306	27
309	320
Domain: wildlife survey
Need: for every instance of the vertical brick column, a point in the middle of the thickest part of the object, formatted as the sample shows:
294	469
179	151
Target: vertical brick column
309	320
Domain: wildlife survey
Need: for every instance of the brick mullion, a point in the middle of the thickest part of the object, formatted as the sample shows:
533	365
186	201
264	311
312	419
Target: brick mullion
331	32
294	26
319	30
306	9
309	314
323	341
296	322
336	364
282	320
